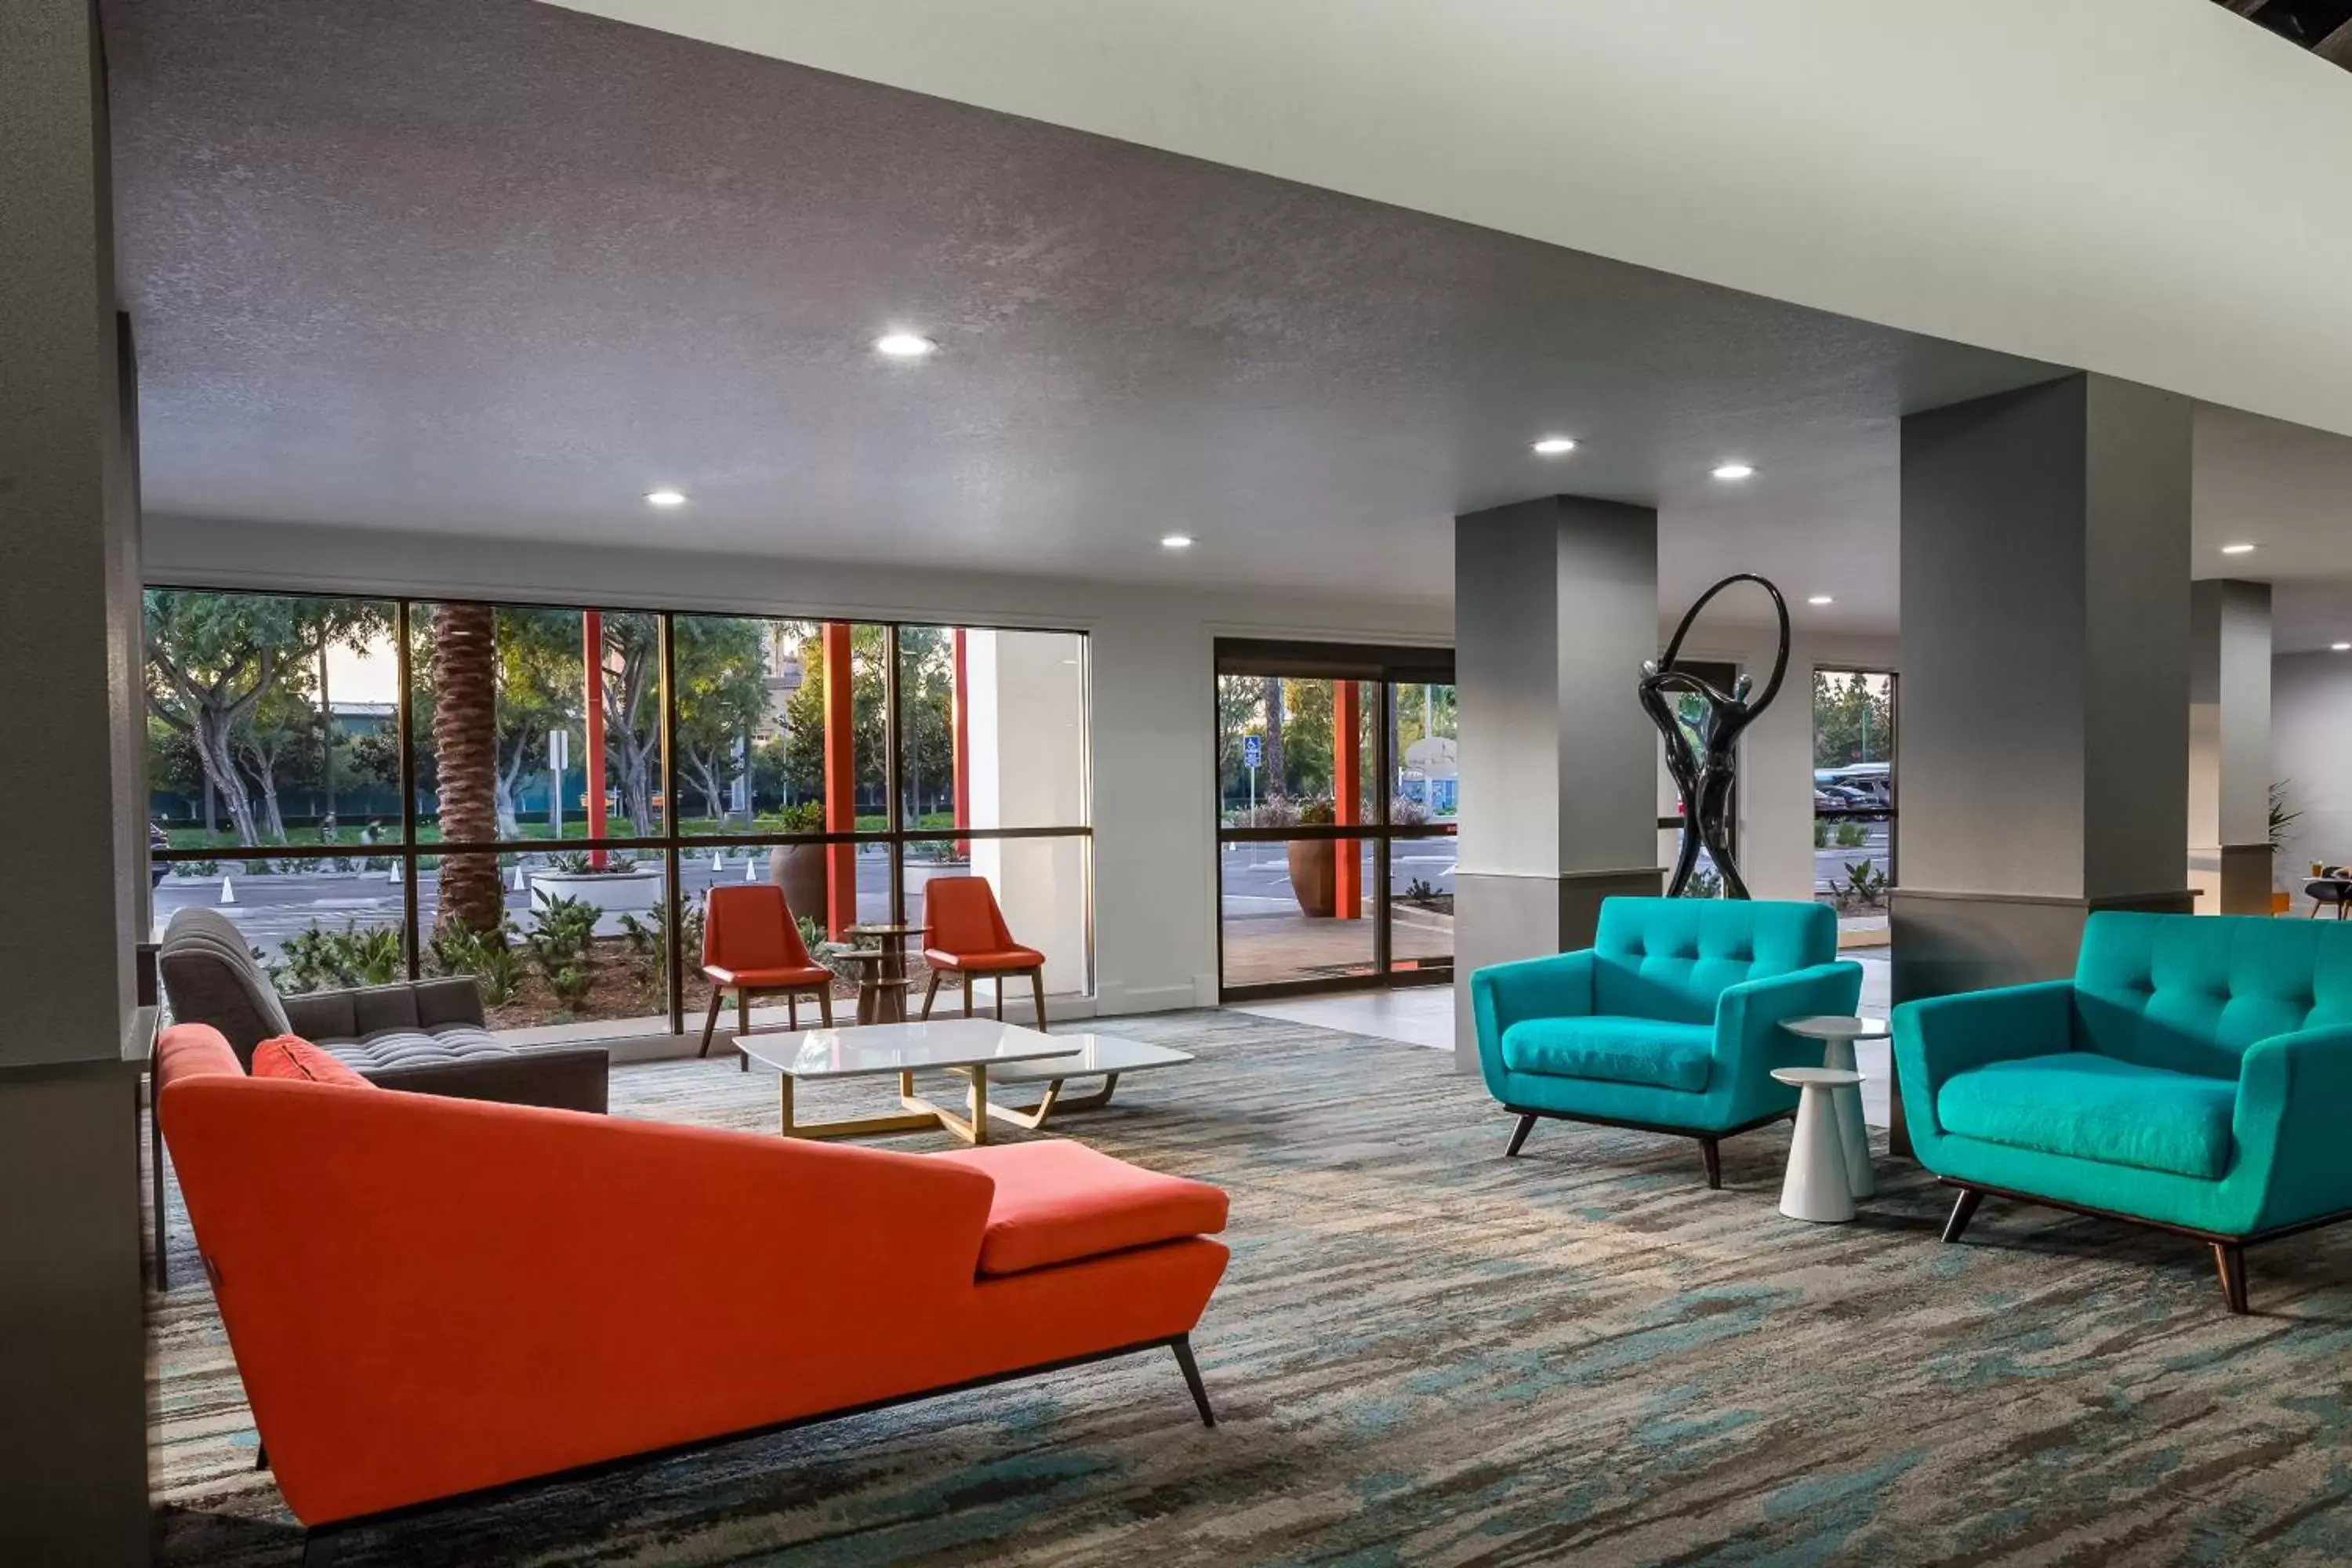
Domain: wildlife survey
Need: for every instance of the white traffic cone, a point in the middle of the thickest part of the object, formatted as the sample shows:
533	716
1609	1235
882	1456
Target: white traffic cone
717	865
228	893
517	879
749	873
392	876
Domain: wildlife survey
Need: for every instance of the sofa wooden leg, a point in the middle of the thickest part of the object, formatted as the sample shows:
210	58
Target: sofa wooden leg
1520	1134
2230	1262
1710	1149
1964	1209
1182	1345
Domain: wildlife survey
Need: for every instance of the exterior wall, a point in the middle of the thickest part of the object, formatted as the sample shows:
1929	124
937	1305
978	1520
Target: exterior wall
2311	749
1150	676
1028	766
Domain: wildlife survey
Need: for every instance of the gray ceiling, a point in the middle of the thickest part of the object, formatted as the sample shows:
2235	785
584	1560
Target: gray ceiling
500	267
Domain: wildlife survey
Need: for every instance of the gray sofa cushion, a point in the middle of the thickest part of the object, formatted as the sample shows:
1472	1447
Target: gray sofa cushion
210	977
387	1048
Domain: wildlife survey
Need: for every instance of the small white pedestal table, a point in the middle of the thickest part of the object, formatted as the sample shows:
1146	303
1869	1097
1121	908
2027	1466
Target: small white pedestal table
1837	1036
1816	1186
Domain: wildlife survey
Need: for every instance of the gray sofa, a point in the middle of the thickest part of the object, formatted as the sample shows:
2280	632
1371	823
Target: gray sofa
427	1037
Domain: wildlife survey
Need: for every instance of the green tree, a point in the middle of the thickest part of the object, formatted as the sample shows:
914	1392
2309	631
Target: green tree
1853	718
212	660
804	715
926	718
722	695
278	744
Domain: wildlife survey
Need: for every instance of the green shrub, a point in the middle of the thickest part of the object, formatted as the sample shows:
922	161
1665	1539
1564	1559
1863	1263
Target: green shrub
801	817
560	933
490	958
1821	834
1703	884
1852	836
321	960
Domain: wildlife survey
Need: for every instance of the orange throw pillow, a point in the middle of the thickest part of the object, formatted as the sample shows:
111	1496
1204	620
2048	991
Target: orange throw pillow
290	1055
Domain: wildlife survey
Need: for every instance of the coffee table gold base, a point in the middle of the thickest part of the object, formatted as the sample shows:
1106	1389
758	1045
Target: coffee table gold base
921	1115
1053	1099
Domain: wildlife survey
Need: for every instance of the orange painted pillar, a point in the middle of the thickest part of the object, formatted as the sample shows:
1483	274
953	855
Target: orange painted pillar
591	656
963	731
1346	793
840	782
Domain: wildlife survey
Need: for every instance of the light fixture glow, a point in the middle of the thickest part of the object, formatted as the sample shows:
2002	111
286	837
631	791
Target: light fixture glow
665	497
1175	541
1555	446
904	345
1820	599
2240	548
2339	647
1734	470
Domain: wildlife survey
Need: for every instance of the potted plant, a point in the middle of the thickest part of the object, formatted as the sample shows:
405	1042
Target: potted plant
800	868
619	885
1315	862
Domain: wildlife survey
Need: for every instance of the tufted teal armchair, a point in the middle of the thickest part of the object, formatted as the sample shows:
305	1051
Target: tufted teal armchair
1669	1023
2195	1076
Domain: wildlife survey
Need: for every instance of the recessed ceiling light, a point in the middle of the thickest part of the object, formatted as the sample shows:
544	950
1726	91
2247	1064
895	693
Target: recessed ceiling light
1555	446
665	497
1820	599
2240	548
1175	541
1734	470
2339	647
904	345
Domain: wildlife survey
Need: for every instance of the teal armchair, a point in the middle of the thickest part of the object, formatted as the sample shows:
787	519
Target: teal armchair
1669	1023
2195	1076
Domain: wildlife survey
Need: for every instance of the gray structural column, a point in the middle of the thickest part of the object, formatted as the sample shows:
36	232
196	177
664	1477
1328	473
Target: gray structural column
2230	746
2045	678
1555	608
73	1476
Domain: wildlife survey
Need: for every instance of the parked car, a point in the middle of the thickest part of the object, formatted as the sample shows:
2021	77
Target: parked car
157	839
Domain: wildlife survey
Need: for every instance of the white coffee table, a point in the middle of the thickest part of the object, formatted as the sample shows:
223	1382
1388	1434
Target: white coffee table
1816	1186
1097	1056
968	1046
1837	1035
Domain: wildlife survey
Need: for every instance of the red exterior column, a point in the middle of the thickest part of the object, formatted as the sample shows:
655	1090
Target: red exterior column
962	744
591	656
1346	793
840	782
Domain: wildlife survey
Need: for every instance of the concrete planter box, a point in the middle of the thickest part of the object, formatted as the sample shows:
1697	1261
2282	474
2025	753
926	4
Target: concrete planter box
628	892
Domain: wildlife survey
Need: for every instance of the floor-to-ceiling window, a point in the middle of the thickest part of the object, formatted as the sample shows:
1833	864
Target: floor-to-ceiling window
1854	794
541	795
1336	808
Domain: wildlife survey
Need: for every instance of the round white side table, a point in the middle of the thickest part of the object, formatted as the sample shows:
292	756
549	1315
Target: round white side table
1816	1187
1837	1036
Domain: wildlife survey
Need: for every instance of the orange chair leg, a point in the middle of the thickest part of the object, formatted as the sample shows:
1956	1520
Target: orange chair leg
970	980
930	992
824	1004
1037	988
792	1010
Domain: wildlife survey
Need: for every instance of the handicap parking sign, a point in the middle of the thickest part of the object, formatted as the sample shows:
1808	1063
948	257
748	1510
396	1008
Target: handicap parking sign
1253	748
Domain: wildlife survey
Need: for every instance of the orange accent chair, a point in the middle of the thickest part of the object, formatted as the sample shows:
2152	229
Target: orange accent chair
968	938
752	946
432	1299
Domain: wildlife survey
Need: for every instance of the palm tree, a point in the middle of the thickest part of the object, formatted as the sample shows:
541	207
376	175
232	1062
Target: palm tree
466	746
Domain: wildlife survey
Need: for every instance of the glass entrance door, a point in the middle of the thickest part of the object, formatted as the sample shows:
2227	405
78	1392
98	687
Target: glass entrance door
1337	805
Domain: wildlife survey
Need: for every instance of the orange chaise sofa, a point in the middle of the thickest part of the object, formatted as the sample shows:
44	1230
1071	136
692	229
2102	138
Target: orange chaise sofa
431	1299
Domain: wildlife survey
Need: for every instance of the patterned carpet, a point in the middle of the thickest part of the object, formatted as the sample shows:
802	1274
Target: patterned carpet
1425	1354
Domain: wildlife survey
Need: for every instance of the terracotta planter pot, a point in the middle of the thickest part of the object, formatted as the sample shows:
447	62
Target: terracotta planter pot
799	870
1313	871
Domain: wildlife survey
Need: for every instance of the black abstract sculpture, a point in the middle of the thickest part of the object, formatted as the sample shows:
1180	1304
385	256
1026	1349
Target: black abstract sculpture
1706	779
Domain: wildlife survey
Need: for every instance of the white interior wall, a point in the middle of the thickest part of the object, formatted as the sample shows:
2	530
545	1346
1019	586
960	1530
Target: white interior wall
1026	694
2311	748
1150	671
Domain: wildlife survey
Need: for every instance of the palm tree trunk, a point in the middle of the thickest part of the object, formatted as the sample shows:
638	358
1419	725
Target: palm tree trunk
465	749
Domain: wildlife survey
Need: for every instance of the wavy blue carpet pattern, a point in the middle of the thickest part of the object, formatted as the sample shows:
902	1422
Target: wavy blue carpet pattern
1424	1353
